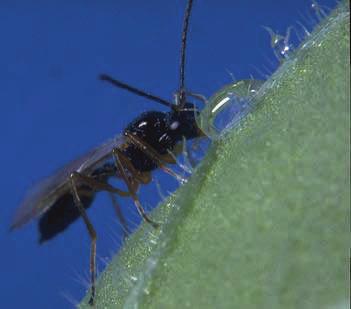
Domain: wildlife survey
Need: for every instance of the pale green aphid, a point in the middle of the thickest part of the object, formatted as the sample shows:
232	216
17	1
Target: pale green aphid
227	107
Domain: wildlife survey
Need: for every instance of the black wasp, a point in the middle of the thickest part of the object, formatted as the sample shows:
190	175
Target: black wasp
145	145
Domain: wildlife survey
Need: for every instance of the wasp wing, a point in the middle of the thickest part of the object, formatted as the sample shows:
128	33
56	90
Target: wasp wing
44	194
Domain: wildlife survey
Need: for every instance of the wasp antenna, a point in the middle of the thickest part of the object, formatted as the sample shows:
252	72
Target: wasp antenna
181	92
134	90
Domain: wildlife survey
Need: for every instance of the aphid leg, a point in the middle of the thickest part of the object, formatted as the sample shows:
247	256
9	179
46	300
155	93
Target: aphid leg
152	153
91	231
197	149
186	168
197	96
159	190
120	215
188	157
119	162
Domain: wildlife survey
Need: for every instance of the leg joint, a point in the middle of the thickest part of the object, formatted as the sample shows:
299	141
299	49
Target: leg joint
74	175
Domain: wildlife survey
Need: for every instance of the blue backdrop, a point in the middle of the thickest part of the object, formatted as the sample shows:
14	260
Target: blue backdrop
54	108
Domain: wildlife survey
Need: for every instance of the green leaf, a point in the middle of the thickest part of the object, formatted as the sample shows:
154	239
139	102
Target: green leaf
264	221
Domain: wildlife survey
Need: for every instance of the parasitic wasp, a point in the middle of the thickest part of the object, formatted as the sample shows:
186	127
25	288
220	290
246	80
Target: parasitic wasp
146	144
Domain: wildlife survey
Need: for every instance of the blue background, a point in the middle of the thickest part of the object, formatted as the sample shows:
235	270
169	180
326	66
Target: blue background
53	108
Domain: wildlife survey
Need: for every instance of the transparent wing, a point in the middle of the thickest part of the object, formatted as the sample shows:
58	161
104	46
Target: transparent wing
42	195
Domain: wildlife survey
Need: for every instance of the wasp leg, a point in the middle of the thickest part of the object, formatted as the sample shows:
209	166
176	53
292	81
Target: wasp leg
119	161
152	153
98	185
91	231
120	216
138	177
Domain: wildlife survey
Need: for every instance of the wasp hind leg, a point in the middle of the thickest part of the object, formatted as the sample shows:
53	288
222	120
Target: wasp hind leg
75	179
91	231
